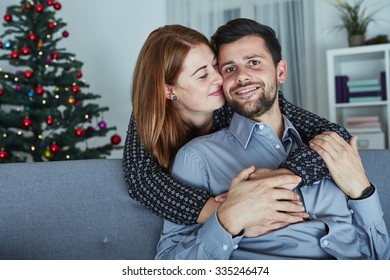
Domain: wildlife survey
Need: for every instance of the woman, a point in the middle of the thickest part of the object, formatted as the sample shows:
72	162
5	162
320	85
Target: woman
176	96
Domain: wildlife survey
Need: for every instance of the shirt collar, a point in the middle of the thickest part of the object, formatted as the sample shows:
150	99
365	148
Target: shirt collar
242	128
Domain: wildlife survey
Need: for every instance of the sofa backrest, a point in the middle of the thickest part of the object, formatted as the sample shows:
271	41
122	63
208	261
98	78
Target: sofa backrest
377	166
72	210
81	210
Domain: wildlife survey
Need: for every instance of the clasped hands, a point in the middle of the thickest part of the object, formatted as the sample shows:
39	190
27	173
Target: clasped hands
263	200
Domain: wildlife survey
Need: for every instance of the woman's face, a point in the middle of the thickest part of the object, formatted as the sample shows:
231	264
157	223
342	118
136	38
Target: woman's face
199	86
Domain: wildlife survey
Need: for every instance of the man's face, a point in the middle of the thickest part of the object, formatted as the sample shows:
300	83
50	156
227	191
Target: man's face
250	78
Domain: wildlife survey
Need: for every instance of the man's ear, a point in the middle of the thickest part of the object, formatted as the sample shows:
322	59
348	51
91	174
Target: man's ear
281	71
168	92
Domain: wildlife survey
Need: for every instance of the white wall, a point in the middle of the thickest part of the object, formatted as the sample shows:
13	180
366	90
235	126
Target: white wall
107	36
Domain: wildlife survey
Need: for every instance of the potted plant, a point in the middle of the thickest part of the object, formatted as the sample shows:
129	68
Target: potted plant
355	20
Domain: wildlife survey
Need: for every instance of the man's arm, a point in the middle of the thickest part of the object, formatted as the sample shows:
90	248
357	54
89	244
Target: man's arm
346	168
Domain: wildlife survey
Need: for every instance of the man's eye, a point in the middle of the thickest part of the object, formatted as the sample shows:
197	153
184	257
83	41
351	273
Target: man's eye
254	62
229	69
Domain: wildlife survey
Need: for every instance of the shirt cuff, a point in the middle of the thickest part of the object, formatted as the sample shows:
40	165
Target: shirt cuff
219	243
367	211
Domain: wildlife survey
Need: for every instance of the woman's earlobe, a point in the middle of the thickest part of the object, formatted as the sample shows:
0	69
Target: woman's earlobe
168	92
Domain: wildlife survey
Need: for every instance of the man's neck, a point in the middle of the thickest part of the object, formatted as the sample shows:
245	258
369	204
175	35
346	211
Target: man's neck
274	119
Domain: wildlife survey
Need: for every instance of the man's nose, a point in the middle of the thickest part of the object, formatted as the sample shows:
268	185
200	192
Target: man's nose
242	77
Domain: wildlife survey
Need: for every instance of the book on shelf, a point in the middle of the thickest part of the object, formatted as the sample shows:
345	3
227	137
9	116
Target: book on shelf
383	85
363	90
357	89
341	89
353	130
367	82
362	119
363	124
363	99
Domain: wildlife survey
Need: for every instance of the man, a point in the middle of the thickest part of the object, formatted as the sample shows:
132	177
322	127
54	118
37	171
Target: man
344	220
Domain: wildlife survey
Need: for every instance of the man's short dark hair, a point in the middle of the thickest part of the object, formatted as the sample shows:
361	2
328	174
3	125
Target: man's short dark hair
235	29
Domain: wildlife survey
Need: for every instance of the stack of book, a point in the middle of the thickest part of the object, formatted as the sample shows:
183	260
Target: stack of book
365	90
364	124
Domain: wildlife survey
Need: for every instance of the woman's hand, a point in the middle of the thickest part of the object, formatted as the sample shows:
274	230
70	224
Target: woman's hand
343	161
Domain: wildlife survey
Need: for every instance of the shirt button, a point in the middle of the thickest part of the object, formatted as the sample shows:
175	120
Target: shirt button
235	246
325	243
261	126
225	247
277	146
351	211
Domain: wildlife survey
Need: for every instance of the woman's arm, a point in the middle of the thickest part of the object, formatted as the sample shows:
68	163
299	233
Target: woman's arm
154	188
303	161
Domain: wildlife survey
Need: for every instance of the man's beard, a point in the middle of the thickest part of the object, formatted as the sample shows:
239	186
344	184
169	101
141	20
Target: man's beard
257	107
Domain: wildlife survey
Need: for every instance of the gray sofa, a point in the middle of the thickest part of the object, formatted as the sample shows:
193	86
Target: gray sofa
81	210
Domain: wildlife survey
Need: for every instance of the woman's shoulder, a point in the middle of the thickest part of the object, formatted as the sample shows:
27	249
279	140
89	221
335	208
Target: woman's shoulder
222	117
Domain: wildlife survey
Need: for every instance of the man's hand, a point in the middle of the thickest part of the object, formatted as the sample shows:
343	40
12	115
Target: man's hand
343	162
261	202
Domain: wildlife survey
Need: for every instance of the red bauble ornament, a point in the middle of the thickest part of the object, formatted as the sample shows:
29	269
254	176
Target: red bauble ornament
75	89
39	90
1	91
39	8
57	6
79	132
32	36
49	121
54	148
54	55
79	74
3	154
27	123
115	139
65	34
28	74
51	25
8	17
14	54
1	44
25	50
50	2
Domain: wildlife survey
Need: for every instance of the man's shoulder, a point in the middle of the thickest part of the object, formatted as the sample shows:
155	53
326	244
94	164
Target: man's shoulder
207	146
210	139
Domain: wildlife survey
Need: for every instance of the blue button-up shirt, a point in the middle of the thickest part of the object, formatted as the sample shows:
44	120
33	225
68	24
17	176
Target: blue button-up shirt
338	228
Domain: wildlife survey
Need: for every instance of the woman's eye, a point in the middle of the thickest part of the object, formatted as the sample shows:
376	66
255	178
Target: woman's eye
204	76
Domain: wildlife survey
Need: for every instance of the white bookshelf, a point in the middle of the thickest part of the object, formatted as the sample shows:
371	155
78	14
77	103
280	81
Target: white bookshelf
364	62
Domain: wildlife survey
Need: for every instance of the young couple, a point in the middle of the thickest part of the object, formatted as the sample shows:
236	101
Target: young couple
179	90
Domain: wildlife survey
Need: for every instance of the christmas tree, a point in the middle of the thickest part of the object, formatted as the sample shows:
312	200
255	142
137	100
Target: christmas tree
45	113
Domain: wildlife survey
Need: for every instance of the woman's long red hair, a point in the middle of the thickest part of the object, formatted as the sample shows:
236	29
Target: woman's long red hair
160	128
